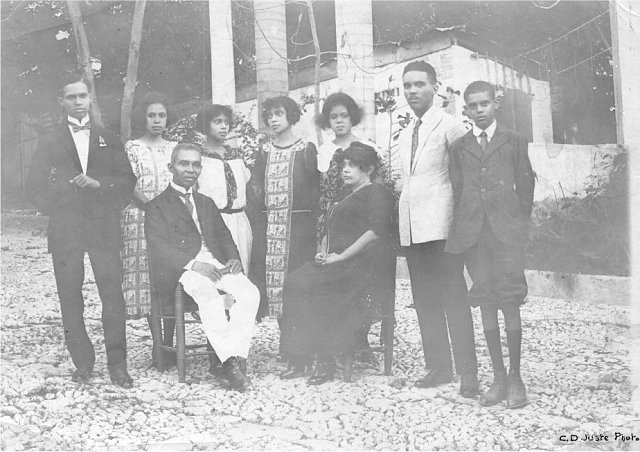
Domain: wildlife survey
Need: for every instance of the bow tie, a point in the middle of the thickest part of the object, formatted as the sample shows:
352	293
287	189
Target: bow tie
76	128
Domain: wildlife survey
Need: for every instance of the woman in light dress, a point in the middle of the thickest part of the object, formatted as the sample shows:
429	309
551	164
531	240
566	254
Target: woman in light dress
224	176
149	156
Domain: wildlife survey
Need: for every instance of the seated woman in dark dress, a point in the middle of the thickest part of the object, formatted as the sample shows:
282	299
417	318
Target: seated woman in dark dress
325	300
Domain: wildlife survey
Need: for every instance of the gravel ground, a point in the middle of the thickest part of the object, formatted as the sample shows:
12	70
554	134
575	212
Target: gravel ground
576	365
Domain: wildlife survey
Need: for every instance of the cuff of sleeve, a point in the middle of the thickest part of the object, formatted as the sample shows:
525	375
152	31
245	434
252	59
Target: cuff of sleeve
189	264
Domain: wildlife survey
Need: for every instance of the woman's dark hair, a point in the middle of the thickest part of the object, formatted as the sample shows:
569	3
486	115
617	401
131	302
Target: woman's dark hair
355	113
139	114
362	156
209	112
289	105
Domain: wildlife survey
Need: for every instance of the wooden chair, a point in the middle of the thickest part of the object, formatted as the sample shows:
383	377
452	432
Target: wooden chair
388	321
160	313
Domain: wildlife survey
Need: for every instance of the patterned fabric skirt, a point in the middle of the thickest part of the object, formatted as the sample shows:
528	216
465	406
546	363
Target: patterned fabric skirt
135	284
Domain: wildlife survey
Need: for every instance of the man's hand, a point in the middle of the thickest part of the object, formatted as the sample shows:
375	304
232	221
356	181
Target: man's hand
208	270
332	258
234	266
320	258
84	181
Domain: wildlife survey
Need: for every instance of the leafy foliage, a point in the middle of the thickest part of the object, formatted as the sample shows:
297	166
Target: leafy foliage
587	234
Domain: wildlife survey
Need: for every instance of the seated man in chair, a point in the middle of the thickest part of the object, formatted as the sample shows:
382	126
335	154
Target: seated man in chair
188	242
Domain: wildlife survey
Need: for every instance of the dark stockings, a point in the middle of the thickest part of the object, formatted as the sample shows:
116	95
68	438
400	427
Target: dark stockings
513	326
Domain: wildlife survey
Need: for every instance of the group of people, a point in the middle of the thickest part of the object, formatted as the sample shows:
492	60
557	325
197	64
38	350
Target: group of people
307	236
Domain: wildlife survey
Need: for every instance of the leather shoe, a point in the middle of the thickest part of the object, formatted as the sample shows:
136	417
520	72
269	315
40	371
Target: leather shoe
294	370
121	378
497	392
236	378
82	375
469	387
434	378
516	392
324	372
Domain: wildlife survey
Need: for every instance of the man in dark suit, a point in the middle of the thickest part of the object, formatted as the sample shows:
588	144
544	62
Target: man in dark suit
80	178
188	241
493	185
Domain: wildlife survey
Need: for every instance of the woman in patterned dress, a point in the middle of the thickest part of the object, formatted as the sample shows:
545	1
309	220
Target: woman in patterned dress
224	176
149	156
286	185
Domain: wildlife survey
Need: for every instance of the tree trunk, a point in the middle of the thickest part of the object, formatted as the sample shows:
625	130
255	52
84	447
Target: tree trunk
354	39
271	51
84	56
316	78
223	81
132	70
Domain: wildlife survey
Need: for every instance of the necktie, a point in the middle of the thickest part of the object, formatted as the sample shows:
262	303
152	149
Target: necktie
232	185
187	203
76	128
414	139
483	141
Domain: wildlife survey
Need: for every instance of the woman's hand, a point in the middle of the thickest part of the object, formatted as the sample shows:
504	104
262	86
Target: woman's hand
320	258
332	258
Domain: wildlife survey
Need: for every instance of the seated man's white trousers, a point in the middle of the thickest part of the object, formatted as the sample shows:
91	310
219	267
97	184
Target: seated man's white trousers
228	337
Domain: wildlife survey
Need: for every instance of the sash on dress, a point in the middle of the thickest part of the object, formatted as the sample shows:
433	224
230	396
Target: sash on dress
279	203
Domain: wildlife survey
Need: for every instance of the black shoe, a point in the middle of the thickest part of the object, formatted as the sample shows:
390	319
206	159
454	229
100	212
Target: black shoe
516	392
296	369
236	378
435	378
324	372
121	378
469	387
497	392
82	375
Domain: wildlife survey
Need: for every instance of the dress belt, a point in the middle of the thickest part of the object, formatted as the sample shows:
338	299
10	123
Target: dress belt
229	211
293	211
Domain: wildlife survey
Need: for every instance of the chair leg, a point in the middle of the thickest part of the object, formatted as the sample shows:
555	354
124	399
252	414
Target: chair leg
388	347
348	367
388	325
180	335
156	334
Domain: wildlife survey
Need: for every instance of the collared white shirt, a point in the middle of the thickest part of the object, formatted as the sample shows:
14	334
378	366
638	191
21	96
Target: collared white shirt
425	119
81	140
204	250
489	131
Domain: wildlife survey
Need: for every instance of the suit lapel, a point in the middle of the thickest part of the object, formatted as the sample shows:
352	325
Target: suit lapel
427	129
69	145
498	139
177	205
470	143
94	146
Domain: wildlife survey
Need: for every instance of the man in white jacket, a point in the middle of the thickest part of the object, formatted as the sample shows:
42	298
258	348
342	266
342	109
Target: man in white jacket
426	208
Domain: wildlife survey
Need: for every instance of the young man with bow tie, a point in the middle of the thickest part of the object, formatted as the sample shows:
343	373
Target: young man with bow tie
81	178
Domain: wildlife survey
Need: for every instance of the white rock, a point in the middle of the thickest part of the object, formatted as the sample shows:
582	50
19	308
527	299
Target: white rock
379	404
284	434
56	404
319	444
